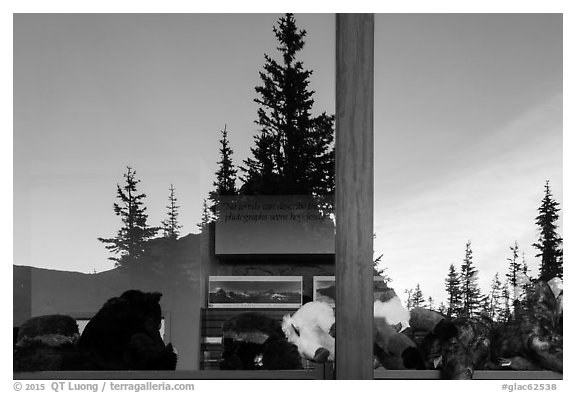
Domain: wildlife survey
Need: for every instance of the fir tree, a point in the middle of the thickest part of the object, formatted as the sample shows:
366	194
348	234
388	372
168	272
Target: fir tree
471	296
170	226
380	272
442	309
408	293
524	265
377	270
454	294
417	297
495	308
527	280
485	306
549	242
206	216
430	304
506	307
225	183
131	240
514	266
226	175
293	151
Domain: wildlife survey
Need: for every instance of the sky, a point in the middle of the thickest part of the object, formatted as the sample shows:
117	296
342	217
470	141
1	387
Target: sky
468	127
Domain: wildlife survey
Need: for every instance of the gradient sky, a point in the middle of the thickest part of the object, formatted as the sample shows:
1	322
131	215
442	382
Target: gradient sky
468	126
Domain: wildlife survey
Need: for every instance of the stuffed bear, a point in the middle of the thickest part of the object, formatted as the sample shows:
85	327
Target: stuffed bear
393	348
311	329
124	335
387	305
457	346
47	343
254	341
532	339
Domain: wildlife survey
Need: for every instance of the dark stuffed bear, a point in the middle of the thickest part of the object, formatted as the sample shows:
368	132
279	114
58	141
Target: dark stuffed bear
394	350
532	339
125	335
47	343
457	347
254	341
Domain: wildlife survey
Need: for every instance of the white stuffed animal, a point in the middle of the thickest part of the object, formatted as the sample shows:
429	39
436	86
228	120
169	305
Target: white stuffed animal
309	329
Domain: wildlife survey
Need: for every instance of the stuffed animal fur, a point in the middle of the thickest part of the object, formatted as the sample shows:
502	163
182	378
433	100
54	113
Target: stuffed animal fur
124	335
254	341
310	330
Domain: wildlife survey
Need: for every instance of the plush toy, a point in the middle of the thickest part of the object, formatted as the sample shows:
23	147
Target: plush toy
532	339
125	335
47	343
393	348
431	330
254	341
311	329
388	306
457	347
469	350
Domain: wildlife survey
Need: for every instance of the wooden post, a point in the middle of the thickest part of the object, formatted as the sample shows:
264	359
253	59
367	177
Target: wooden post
354	195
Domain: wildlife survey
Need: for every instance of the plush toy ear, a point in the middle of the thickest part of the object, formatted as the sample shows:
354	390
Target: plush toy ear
155	297
445	329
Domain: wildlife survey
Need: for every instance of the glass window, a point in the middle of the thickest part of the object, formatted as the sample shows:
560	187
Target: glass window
162	161
468	145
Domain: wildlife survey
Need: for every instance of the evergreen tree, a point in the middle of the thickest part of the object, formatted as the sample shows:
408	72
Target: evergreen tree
430	304
206	216
380	272
294	152
442	309
170	226
408	293
549	242
524	265
454	293
496	307
131	240
485	306
226	175
506	307
377	270
526	280
471	296
514	266
225	183
417	297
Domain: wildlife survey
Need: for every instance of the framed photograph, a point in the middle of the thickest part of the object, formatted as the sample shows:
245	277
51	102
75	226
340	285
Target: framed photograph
254	292
324	288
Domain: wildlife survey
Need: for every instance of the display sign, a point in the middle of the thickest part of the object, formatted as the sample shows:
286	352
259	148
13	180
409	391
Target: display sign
268	225
324	288
255	292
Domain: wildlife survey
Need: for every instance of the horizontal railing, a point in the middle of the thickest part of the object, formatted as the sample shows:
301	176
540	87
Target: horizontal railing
319	372
316	373
478	374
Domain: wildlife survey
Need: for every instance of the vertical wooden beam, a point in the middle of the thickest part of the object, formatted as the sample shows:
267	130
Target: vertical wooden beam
354	195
